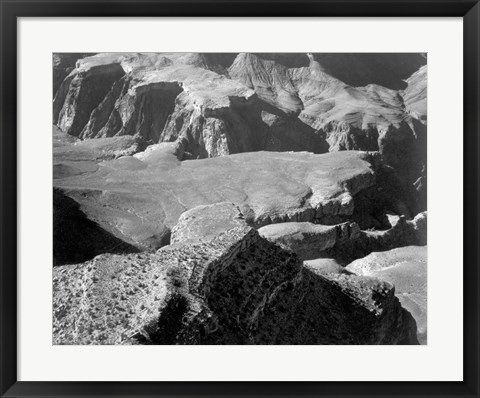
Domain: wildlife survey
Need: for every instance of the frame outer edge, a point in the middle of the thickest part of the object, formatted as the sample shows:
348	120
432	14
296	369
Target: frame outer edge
8	201
242	8
471	190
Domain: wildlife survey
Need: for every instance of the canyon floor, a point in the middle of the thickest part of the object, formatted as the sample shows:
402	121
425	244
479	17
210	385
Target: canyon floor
239	198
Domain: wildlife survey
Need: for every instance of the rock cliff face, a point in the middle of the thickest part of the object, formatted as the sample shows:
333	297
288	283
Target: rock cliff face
230	287
220	104
80	93
63	64
415	94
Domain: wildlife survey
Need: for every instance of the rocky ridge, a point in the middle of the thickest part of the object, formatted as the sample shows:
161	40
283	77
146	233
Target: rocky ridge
345	241
232	287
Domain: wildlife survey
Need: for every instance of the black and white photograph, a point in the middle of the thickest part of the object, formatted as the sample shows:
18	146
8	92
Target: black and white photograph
239	198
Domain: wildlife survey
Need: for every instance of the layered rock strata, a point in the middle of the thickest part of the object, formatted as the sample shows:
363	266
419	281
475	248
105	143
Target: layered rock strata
140	198
220	104
345	241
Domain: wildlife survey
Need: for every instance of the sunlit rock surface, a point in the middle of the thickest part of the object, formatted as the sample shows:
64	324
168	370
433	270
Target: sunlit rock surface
219	104
141	197
406	268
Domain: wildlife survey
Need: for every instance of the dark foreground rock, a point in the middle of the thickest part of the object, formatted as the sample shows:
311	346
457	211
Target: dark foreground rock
230	288
76	238
406	268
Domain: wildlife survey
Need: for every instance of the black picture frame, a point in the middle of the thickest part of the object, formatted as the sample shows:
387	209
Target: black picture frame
11	10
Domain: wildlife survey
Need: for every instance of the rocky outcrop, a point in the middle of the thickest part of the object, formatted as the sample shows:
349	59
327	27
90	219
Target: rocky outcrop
415	94
270	80
230	288
415	98
326	266
72	156
345	242
63	64
94	150
307	240
130	110
80	93
205	222
402	232
141	197
373	313
406	268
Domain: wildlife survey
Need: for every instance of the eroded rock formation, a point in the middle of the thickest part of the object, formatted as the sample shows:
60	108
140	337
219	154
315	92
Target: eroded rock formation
220	104
345	241
141	197
232	287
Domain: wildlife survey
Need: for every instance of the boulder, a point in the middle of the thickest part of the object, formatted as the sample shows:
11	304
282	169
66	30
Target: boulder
307	240
205	222
325	266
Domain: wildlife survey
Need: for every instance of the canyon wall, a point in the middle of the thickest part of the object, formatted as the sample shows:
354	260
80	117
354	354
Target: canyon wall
233	103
